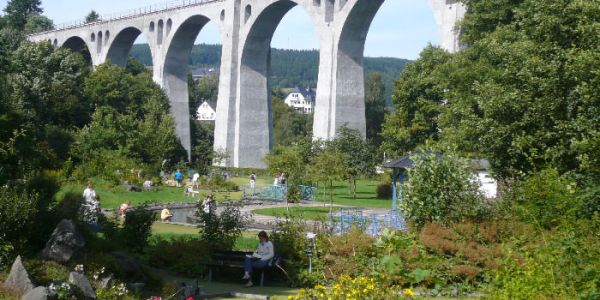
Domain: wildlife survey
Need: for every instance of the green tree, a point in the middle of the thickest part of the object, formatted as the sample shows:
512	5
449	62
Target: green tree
327	166
419	98
358	155
38	23
17	12
374	105
288	124
522	93
92	17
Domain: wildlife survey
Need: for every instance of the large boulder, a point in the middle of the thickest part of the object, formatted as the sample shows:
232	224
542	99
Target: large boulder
79	280
65	243
18	278
39	293
130	269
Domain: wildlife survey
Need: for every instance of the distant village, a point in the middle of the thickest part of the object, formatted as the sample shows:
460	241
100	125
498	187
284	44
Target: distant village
301	99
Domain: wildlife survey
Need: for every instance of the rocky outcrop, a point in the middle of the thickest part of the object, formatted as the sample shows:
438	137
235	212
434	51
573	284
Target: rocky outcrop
80	281
39	293
65	243
18	278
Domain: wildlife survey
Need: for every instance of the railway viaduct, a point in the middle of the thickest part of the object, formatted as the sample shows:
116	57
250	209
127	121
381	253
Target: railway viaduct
244	120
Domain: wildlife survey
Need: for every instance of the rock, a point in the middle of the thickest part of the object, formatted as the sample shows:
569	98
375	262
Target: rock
39	293
65	243
130	269
454	293
18	278
80	281
106	281
131	188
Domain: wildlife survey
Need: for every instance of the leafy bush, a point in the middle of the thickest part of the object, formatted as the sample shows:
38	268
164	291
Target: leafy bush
18	210
545	198
68	206
289	241
46	272
589	202
384	191
183	255
440	189
221	231
345	287
218	183
138	227
564	266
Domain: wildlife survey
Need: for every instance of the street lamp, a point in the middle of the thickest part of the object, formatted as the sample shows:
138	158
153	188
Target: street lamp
309	249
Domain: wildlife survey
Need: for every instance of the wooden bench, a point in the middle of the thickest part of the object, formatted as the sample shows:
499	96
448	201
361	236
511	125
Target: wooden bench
235	260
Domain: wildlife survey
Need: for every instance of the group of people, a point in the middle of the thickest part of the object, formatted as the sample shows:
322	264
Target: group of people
280	180
261	258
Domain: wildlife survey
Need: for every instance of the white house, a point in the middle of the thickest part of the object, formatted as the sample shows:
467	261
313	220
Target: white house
206	113
302	100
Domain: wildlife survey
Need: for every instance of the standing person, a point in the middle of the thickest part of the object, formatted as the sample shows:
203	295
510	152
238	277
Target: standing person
260	258
91	206
208	204
195	180
252	181
178	178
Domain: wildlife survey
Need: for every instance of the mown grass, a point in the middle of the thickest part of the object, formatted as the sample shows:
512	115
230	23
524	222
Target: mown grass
302	212
112	197
247	242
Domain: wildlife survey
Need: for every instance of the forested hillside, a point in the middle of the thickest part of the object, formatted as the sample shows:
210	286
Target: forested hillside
290	67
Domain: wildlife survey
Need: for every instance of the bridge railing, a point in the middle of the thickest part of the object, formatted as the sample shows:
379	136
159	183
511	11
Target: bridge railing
131	13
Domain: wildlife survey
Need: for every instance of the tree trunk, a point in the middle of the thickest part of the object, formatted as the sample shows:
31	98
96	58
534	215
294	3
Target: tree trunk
354	187
330	196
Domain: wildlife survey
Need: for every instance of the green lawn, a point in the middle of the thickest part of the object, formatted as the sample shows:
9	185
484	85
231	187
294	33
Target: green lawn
302	212
365	195
112	197
247	242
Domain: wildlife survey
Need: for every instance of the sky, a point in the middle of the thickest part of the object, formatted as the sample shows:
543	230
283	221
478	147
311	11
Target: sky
401	28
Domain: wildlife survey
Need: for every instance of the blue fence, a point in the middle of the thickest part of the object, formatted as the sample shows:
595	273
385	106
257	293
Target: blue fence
373	224
276	192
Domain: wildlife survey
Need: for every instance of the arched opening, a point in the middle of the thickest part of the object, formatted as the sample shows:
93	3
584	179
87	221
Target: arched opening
399	31
160	32
118	53
99	44
169	26
77	44
255	121
106	37
180	71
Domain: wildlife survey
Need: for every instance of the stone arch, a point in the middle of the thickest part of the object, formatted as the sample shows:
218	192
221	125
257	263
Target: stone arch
349	74
254	124
118	51
77	44
175	73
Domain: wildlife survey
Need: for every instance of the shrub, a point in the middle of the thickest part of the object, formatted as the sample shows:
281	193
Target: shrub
221	231
46	272
440	189
384	191
545	199
289	241
138	227
18	210
68	206
355	288
183	255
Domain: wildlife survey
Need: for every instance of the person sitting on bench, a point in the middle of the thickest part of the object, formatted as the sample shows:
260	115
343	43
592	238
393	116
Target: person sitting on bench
259	259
